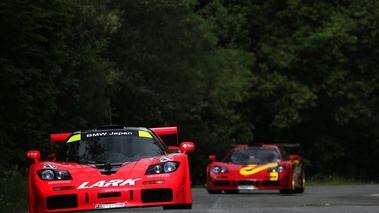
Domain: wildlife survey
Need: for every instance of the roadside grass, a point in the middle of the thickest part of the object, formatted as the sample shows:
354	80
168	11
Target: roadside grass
334	180
14	193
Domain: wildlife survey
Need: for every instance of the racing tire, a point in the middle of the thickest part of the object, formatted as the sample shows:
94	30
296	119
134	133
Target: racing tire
231	191
214	191
178	206
302	183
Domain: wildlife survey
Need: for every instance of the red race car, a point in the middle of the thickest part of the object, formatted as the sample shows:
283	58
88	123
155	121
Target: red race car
256	167
110	167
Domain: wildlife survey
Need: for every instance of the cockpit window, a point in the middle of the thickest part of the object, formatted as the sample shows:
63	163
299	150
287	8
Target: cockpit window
253	155
109	147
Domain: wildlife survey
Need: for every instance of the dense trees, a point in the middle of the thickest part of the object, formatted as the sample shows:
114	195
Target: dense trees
223	71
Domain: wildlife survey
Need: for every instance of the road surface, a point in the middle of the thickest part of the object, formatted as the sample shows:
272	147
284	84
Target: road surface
336	199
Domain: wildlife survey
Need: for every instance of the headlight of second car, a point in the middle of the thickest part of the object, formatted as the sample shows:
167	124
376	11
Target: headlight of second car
219	169
165	167
52	174
276	169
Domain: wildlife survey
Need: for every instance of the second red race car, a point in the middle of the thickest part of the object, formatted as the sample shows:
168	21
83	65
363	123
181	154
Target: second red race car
256	167
110	167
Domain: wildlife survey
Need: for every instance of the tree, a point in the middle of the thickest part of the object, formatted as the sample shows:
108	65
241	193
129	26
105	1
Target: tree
33	50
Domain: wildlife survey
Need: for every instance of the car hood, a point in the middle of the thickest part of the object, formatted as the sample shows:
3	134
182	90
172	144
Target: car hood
91	171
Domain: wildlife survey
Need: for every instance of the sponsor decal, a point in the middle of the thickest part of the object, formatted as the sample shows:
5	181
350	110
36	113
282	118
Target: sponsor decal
117	133
185	145
158	175
59	182
104	183
121	133
31	154
49	166
164	159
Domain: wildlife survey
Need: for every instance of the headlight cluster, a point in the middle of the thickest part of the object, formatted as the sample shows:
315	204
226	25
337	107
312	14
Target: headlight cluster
219	169
50	174
166	167
276	169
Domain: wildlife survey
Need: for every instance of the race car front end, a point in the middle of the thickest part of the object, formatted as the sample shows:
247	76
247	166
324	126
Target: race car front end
149	182
232	178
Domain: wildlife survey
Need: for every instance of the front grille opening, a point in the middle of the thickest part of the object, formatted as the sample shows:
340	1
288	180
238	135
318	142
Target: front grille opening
248	183
271	183
107	195
156	195
62	201
221	183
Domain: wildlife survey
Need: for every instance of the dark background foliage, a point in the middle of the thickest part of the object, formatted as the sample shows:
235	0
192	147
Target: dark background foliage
224	72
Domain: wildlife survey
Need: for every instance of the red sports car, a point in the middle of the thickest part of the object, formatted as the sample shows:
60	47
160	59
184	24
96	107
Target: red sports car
256	167
110	167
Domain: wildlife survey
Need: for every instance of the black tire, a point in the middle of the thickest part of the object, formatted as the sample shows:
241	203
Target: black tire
214	191
178	206
302	183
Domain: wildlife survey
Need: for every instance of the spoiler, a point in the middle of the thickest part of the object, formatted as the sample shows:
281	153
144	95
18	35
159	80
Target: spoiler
167	131
288	145
58	137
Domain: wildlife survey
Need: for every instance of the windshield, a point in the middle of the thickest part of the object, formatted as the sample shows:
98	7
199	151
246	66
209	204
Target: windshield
109	147
253	155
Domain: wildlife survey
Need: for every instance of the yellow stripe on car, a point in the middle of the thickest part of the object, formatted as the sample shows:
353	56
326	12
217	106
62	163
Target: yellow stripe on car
249	170
144	134
74	138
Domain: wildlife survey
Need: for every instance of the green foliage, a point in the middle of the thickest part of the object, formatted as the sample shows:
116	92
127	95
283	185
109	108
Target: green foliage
32	52
14	192
224	72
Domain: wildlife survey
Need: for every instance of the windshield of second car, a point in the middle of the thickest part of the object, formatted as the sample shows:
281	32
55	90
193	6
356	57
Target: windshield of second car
109	147
253	155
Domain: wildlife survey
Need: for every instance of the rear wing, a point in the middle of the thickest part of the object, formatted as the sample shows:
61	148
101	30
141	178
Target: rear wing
58	137
288	145
290	149
167	131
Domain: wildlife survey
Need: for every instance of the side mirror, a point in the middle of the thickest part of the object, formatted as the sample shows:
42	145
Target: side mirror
33	155
294	157
212	158
187	147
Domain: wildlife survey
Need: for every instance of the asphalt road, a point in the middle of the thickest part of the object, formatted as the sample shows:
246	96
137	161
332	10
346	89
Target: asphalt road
336	199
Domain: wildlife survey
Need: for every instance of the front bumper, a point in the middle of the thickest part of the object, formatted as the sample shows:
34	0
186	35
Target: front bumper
269	181
116	197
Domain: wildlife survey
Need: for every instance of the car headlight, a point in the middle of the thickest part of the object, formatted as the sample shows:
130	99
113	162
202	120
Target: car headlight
219	169
166	167
50	174
276	169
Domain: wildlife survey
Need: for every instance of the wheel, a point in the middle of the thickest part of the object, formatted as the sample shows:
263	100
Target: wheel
231	191
214	191
178	206
302	183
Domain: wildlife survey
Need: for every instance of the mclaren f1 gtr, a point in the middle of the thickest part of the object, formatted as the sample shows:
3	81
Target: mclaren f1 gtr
256	167
110	167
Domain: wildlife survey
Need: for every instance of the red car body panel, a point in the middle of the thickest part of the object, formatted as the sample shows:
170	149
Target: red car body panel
91	189
256	176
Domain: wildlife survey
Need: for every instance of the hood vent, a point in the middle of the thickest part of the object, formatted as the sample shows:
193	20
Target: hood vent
108	168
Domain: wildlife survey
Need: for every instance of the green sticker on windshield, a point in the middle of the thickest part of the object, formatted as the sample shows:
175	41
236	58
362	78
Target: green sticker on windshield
144	134
74	138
